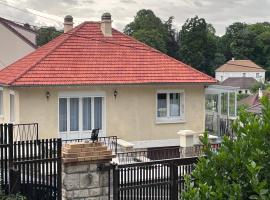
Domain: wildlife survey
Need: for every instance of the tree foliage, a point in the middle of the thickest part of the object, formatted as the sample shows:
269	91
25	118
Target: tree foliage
198	44
240	169
149	29
46	34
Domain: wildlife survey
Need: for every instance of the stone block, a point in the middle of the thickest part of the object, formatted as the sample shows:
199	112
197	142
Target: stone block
81	193
71	169
93	192
71	181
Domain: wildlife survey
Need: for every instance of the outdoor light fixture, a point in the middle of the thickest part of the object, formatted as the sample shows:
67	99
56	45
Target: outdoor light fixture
115	93
48	95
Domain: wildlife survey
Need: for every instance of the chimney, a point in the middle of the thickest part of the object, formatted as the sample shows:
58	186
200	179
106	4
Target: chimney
106	24
68	23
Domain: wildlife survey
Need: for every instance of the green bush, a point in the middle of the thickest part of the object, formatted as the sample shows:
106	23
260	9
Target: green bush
11	197
241	168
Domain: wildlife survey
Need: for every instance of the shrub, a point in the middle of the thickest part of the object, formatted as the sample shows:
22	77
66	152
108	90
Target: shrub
240	169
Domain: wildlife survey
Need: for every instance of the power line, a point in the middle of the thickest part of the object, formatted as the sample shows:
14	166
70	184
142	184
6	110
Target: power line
27	11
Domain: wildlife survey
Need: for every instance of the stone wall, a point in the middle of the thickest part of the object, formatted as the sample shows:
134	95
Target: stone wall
82	179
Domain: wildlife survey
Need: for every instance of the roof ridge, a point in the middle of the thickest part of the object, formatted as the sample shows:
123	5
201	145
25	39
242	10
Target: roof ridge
245	65
165	55
48	53
18	34
17	24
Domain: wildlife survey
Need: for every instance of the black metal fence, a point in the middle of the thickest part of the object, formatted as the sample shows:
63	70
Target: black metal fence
110	142
148	155
31	168
162	180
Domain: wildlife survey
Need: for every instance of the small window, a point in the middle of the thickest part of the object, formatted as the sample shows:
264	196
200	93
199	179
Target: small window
244	74
170	106
1	102
12	107
221	78
257	75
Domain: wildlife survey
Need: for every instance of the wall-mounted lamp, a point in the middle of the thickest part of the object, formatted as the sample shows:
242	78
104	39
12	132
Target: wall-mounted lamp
115	93
48	94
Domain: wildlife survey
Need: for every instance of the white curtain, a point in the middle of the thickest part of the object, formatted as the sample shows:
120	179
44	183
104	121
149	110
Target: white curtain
62	115
74	114
1	102
86	113
98	112
162	105
174	104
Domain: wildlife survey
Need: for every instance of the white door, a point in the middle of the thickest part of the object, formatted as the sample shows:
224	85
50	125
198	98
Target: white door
79	115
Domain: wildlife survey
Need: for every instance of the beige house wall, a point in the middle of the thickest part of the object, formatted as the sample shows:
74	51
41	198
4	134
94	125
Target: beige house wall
12	47
131	115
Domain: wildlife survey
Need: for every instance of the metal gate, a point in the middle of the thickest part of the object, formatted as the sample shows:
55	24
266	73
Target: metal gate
160	180
32	167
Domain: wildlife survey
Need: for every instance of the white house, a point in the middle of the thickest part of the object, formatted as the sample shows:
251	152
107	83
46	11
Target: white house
240	68
16	41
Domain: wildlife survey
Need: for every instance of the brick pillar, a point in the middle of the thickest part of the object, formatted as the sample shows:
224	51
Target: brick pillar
81	178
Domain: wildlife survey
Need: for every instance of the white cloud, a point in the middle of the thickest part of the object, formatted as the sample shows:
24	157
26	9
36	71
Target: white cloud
219	13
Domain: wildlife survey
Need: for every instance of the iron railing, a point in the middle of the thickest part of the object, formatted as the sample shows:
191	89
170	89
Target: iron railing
148	155
110	142
23	132
163	179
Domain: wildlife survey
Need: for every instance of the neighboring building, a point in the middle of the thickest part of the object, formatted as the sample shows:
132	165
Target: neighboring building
94	76
16	41
240	68
243	83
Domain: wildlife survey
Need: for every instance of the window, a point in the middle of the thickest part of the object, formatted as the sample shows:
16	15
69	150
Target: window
170	106
257	75
221	78
80	114
1	102
12	107
244	74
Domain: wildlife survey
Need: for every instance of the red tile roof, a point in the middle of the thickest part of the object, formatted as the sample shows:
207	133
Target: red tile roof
83	56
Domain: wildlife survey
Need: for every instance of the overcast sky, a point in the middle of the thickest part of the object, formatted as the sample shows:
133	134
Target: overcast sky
220	13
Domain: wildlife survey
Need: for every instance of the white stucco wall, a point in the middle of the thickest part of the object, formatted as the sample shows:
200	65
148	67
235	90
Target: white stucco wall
12	47
222	76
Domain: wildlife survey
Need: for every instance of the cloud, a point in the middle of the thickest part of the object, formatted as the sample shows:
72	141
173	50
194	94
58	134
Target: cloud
219	13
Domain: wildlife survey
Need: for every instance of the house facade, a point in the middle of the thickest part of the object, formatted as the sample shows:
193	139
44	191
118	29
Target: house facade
16	42
240	68
93	76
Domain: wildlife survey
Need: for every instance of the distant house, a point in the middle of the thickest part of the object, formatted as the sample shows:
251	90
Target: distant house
243	83
16	41
240	68
93	76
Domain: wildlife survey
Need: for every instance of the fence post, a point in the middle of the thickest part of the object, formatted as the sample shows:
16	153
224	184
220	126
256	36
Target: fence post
174	181
12	179
115	183
59	169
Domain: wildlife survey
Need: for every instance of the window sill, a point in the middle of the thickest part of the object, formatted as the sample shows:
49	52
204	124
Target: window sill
170	121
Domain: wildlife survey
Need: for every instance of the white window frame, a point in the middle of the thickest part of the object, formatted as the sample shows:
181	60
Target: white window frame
171	119
2	102
82	95
14	109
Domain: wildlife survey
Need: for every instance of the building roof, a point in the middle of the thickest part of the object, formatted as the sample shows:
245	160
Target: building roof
83	56
240	66
241	82
256	109
9	25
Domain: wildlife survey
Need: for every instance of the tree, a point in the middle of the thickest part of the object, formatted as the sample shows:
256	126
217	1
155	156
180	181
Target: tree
149	29
240	169
198	44
46	34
